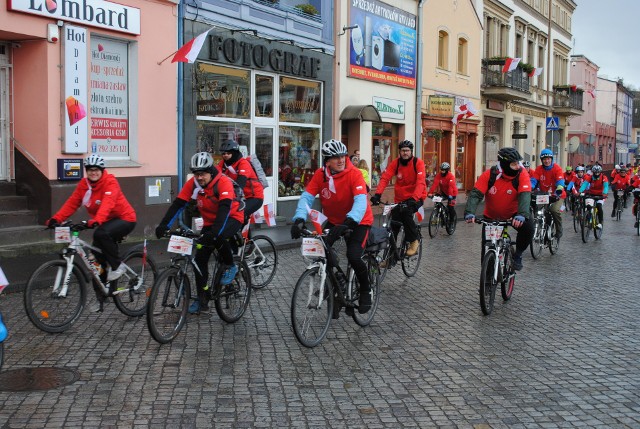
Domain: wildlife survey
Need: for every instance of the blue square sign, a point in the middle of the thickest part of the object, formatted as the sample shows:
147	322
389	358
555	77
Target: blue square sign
553	123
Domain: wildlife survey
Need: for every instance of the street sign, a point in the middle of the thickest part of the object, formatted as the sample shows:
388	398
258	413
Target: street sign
553	123
518	136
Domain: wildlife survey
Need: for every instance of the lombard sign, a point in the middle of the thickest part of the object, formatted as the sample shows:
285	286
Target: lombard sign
388	108
95	13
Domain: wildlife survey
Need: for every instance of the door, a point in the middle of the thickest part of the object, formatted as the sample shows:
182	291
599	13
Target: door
265	105
264	149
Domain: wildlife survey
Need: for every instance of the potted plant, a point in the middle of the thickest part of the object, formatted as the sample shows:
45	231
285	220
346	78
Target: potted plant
306	8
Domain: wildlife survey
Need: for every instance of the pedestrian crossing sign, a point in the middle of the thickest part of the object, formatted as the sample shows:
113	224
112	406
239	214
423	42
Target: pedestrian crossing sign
553	123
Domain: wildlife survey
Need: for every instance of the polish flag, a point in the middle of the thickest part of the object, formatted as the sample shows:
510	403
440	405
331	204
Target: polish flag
510	64
257	217
317	219
537	71
420	214
245	231
269	215
590	92
463	112
3	281
189	52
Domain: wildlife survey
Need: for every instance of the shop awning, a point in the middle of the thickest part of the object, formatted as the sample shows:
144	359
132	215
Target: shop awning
362	112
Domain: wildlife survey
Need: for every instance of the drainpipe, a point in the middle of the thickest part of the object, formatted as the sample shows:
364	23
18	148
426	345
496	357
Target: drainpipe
419	82
180	95
337	132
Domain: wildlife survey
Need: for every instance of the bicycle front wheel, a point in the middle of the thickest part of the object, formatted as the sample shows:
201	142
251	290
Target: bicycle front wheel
364	319
638	220
537	242
53	302
310	313
233	300
576	222
554	242
509	276
587	225
451	224
410	264
133	290
434	222
262	262
167	306
597	232
488	282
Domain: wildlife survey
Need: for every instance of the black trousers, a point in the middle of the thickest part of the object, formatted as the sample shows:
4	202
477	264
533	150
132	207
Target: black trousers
105	237
405	215
222	245
356	243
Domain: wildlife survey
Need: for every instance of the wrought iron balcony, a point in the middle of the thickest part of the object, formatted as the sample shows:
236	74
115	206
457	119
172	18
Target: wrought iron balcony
302	10
567	101
513	85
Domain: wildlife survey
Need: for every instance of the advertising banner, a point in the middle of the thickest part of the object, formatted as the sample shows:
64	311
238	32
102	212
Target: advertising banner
383	46
75	89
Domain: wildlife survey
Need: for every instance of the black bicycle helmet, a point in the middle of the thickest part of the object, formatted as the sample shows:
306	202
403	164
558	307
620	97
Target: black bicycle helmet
445	166
333	148
202	161
229	145
405	143
509	154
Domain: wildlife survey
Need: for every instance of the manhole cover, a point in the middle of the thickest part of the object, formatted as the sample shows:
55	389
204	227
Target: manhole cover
28	379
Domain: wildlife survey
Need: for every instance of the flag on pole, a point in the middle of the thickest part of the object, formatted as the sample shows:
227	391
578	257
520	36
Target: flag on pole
537	71
317	219
463	112
3	281
510	64
189	52
269	215
420	214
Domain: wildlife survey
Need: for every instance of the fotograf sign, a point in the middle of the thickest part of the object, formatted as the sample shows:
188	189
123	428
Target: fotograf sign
95	13
388	108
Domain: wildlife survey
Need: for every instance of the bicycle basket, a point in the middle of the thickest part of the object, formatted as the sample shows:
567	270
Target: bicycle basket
378	239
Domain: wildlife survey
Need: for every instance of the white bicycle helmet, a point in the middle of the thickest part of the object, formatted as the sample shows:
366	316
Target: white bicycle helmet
94	160
333	148
596	169
445	166
202	161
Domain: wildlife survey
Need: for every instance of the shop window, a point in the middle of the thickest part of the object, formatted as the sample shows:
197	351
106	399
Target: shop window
298	159
209	136
223	92
385	144
110	98
264	96
430	153
300	101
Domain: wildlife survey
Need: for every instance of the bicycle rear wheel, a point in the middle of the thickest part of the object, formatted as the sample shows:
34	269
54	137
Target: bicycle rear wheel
410	264
311	316
488	282
509	275
576	222
233	299
597	232
374	282
262	262
50	304
638	221
434	222
537	241
451	224
132	291
167	305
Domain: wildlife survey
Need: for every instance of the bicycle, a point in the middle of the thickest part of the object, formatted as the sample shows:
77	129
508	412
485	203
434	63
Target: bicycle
440	216
620	203
497	263
397	249
262	259
55	294
169	299
319	290
544	227
590	218
636	203
578	210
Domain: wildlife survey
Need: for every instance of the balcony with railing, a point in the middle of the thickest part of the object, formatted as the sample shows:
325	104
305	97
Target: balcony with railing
567	101
510	86
305	9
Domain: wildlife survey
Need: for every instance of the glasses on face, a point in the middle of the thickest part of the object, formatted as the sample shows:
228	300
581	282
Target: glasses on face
405	150
199	173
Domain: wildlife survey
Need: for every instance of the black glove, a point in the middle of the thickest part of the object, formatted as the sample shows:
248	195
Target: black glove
52	223
161	230
412	204
296	228
208	238
375	200
338	231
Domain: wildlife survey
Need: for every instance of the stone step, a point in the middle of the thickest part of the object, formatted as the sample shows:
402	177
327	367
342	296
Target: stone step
13	202
27	249
7	188
24	235
18	218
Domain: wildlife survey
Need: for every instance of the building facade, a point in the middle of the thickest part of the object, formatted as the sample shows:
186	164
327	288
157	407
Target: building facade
606	116
582	147
74	80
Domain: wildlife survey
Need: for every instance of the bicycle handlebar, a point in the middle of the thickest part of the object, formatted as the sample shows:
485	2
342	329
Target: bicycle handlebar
492	222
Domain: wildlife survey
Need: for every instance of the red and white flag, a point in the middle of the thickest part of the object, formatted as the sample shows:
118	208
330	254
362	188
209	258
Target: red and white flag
190	50
420	214
245	231
537	71
265	214
510	64
317	219
463	112
3	281
591	93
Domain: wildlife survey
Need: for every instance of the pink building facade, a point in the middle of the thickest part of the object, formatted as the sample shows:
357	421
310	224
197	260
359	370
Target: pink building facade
583	138
84	77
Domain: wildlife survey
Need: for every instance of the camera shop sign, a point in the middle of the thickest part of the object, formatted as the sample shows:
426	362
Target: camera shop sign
259	56
95	13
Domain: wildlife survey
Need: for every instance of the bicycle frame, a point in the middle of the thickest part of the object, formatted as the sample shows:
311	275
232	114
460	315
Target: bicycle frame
497	245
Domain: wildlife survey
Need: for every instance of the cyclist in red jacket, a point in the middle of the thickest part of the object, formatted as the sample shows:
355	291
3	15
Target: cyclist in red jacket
410	189
444	184
621	182
343	197
549	177
569	175
504	200
635	183
110	212
598	185
222	218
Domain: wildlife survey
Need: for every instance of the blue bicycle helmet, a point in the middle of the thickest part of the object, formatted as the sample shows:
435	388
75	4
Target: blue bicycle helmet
546	153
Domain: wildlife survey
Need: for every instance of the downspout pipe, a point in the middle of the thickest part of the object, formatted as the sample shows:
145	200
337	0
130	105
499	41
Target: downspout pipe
180	100
419	82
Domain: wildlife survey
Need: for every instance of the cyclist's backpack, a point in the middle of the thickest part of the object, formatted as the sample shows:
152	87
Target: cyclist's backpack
415	168
494	175
257	168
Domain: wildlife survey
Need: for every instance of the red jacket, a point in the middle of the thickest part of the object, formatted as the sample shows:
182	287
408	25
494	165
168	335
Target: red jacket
444	185
635	182
106	202
410	180
208	200
501	200
242	167
621	182
597	185
547	179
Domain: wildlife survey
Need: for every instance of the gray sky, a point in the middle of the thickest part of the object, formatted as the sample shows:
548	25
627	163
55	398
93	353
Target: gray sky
605	31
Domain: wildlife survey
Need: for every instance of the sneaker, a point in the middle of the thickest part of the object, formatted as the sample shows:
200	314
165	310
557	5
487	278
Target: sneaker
364	303
599	226
117	273
229	275
517	262
413	248
96	307
197	307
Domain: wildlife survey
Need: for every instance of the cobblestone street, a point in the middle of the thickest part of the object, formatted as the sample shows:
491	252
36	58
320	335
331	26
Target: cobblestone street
564	352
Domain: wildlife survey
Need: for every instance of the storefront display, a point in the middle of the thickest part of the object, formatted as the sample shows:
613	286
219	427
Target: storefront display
385	144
